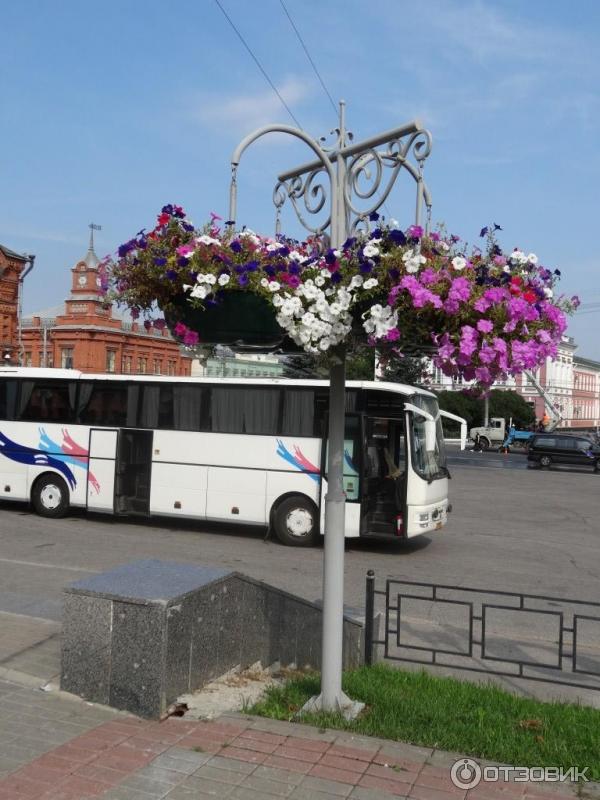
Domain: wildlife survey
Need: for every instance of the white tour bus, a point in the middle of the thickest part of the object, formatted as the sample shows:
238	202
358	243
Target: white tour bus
246	451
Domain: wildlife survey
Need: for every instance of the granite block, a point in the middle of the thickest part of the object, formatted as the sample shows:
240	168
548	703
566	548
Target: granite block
254	626
273	614
204	666
179	618
230	624
288	630
308	637
86	647
149	581
138	659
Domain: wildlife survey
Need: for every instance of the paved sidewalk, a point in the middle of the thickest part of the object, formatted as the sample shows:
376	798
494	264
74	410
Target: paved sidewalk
57	747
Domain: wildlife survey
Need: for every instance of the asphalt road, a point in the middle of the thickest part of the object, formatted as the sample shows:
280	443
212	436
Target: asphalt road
511	529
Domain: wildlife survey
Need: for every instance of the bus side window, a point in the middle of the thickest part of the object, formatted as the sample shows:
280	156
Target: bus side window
45	401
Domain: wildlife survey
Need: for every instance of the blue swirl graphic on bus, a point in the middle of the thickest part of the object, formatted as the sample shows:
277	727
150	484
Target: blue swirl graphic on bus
34	458
348	460
299	461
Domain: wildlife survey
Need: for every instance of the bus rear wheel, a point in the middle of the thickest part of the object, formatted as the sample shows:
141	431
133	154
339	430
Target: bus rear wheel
296	522
50	496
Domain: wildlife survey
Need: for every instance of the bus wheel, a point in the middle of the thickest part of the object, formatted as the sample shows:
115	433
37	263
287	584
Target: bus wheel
296	522
545	461
50	496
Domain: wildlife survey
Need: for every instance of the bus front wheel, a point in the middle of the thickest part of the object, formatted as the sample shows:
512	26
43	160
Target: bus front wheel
296	522
50	496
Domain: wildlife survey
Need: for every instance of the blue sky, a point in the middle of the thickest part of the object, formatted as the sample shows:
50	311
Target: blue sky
108	111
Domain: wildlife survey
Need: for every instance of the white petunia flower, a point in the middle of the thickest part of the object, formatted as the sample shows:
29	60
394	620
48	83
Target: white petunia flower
319	281
369	250
548	292
370	284
200	291
459	263
274	286
264	282
223	280
532	258
357	280
443	246
204	239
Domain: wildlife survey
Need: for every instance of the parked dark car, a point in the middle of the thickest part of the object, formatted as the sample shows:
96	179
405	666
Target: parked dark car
560	448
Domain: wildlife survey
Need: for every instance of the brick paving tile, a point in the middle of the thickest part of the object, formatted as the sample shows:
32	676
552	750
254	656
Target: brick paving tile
255	744
201	743
181	765
72	753
393	787
326	785
428	793
425	779
300	793
227	728
352	752
496	790
333	774
206	786
220	762
317	746
161	775
535	794
390	760
143	784
391	773
267	787
262	736
292	729
275	774
145	745
291	764
122	793
352	765
119	758
243	755
85	787
224	775
299	753
361	793
27	787
104	774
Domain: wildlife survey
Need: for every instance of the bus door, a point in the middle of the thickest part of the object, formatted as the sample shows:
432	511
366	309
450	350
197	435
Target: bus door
101	470
133	471
384	481
352	472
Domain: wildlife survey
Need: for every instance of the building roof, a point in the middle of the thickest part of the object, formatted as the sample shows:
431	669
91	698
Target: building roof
580	361
12	254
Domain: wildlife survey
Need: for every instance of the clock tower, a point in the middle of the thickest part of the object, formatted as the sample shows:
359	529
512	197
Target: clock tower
86	297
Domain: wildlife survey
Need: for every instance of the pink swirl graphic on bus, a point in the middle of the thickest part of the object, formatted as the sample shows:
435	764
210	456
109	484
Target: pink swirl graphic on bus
69	452
298	460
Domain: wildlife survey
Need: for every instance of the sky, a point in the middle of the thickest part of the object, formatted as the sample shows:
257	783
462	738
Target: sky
110	110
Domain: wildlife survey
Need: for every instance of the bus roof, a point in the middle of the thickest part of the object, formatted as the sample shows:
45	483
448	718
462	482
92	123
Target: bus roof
73	374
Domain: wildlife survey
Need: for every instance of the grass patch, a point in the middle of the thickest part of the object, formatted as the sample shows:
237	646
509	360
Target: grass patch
478	720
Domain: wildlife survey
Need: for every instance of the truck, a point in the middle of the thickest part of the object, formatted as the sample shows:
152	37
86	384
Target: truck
496	434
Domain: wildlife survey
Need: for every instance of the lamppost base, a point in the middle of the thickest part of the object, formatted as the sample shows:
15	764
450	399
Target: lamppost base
349	709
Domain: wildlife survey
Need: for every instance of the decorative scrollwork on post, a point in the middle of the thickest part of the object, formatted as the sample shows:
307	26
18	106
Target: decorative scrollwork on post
366	172
308	194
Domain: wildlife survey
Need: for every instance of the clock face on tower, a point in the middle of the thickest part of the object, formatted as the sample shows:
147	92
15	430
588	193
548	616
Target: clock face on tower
82	280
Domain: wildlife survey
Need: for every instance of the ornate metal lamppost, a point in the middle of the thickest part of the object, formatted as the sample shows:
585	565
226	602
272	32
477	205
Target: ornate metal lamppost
363	172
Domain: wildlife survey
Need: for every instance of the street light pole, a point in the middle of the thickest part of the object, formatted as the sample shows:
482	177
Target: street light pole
345	166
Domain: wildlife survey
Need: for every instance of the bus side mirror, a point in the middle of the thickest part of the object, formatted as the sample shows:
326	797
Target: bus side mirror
430	437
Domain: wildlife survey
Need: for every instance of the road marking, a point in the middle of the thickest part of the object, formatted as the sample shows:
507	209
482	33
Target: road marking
46	566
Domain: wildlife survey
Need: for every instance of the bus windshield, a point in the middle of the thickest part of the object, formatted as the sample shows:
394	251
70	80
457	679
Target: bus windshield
429	465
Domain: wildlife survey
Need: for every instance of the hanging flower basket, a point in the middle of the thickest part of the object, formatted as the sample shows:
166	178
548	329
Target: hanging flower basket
483	315
234	318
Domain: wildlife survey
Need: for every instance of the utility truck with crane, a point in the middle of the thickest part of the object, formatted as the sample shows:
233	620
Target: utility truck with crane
495	432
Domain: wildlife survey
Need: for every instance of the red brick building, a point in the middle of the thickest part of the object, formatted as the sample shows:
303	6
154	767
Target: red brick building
11	266
87	336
